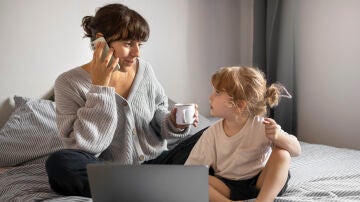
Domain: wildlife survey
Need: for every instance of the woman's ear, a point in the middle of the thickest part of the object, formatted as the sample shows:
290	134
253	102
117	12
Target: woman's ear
98	35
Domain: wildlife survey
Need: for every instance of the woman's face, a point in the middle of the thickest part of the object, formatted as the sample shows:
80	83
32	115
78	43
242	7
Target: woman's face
126	51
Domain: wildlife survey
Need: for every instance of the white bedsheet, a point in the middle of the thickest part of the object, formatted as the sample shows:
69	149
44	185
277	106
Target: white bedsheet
324	173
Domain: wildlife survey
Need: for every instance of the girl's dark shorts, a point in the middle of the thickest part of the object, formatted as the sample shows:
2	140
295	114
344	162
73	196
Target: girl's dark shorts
246	189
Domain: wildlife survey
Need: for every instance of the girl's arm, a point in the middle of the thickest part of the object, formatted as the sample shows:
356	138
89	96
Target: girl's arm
280	138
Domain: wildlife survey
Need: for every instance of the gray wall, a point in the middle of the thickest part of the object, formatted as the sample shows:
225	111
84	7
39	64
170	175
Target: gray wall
327	59
189	40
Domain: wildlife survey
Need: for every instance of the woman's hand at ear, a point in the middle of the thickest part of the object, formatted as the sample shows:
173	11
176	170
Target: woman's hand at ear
101	70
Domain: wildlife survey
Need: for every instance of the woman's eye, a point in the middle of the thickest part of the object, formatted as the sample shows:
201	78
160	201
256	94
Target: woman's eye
136	44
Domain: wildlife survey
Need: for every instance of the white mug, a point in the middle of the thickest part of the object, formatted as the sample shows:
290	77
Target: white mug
185	114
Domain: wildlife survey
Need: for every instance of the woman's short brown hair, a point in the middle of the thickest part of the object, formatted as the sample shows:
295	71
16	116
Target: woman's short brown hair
116	22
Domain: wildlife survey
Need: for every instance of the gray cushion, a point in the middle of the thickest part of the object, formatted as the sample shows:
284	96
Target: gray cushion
30	134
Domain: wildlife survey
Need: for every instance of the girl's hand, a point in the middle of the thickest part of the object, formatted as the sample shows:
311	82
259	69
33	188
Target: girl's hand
101	70
271	129
173	118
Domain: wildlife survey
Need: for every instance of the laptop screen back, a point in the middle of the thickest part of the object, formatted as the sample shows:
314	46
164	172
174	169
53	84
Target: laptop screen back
115	182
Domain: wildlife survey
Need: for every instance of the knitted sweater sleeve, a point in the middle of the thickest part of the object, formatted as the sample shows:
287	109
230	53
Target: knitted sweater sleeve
86	121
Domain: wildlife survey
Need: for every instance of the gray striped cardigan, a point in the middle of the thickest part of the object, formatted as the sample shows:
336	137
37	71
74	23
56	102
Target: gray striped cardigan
98	120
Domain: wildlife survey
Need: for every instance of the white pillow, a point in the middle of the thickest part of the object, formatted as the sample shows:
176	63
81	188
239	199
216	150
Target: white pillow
30	134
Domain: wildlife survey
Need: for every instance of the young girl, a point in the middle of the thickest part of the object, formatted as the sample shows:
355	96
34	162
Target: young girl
250	154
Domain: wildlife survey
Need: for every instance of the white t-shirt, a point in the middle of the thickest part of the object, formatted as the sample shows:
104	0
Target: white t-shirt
238	157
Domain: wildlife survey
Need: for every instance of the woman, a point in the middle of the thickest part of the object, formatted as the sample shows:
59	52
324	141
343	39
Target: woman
104	114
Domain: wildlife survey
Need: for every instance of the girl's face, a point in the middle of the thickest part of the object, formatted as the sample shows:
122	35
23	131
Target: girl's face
126	51
221	104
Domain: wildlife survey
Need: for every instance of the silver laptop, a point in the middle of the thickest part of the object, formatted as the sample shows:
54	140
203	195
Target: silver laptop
115	182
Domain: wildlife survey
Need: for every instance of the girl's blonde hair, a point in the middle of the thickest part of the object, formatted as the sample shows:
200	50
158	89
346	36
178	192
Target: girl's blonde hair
247	84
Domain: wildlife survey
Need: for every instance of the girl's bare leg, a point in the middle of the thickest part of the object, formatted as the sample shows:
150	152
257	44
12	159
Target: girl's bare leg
218	191
274	175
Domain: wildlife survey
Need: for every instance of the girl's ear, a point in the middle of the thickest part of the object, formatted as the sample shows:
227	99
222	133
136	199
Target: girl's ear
230	105
241	105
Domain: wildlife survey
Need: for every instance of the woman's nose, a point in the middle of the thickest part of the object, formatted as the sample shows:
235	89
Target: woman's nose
135	50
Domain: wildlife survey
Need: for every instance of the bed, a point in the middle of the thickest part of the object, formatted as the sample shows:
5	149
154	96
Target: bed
321	173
